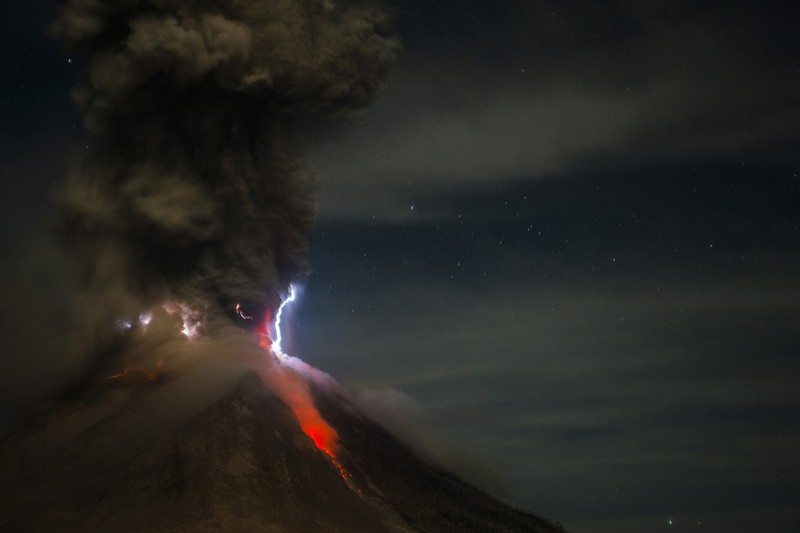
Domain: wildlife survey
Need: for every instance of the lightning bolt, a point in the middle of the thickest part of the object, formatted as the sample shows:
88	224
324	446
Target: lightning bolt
276	344
241	313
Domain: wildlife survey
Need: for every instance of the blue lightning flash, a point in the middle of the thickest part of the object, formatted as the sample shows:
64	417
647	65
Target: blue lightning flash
276	344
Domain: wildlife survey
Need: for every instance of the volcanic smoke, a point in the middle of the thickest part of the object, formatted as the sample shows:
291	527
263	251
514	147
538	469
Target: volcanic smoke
191	189
191	197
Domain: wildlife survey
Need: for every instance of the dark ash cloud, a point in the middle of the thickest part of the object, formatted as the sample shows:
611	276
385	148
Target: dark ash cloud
192	188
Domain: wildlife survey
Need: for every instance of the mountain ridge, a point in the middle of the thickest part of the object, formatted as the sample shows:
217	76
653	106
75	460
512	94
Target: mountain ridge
241	463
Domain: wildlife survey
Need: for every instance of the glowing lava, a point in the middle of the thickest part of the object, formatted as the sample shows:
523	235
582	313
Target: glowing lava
295	392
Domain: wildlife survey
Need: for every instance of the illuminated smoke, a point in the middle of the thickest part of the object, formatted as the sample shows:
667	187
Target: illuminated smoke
145	319
192	320
123	325
191	188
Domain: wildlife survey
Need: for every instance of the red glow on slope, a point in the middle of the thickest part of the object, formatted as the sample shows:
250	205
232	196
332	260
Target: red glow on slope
321	440
290	386
324	437
295	393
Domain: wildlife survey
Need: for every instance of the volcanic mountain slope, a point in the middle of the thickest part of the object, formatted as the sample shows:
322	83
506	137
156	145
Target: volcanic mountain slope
241	464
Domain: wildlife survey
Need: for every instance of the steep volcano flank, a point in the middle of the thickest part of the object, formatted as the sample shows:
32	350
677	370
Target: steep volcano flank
241	464
427	498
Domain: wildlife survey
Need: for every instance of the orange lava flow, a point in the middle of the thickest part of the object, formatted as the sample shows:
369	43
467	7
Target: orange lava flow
298	397
296	394
311	422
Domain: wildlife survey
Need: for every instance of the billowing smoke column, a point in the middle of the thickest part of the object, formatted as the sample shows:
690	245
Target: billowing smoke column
191	189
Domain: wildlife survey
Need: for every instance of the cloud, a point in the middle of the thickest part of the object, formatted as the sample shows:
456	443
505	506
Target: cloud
550	90
422	145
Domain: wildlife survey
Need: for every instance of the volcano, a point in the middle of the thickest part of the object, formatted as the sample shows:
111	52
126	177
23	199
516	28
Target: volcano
138	459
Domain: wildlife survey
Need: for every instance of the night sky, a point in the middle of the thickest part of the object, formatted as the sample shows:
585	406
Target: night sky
569	233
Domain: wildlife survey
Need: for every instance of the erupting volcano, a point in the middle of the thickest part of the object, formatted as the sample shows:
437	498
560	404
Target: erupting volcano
191	197
189	211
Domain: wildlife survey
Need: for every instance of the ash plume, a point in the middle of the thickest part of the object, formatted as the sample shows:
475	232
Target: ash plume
191	188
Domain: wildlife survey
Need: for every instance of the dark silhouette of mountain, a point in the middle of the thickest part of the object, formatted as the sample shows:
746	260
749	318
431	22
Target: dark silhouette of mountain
240	464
